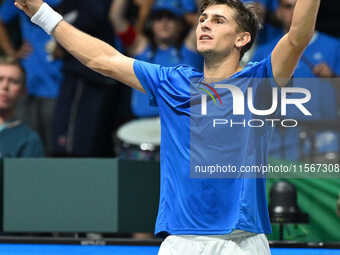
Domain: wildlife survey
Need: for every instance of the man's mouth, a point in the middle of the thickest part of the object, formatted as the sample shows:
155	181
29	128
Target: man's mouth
205	37
3	97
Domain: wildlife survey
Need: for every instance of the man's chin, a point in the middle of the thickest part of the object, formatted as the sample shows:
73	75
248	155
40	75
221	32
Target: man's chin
205	52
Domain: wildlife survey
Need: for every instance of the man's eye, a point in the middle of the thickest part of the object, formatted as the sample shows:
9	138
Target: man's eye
14	81
218	21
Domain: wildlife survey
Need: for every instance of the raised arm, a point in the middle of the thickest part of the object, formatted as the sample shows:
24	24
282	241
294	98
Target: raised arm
145	7
132	37
5	43
288	51
95	54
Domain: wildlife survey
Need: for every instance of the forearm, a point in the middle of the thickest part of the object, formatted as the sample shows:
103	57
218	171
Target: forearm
143	14
303	23
90	51
116	15
5	42
95	54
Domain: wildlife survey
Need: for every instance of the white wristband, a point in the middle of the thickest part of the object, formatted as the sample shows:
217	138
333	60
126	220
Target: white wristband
46	18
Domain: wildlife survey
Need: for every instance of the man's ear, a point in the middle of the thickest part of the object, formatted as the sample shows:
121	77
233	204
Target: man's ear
243	39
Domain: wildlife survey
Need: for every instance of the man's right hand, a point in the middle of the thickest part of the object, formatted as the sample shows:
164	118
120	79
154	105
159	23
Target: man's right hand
30	7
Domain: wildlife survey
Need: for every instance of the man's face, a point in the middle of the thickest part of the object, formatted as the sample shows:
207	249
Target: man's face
165	28
285	12
11	87
217	30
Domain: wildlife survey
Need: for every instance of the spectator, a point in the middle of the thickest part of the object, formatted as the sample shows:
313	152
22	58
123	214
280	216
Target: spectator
189	9
272	26
43	73
163	47
87	107
16	139
320	60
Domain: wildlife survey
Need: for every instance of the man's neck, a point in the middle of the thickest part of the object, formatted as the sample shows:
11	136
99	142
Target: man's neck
221	68
164	44
5	116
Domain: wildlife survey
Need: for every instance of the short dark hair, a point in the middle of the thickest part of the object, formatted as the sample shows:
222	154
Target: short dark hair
10	61
248	17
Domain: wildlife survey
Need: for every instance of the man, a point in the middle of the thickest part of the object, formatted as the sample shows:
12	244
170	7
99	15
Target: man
320	60
37	107
201	216
16	139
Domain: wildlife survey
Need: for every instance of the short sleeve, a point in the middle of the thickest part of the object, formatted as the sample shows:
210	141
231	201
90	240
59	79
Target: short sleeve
150	76
264	70
8	11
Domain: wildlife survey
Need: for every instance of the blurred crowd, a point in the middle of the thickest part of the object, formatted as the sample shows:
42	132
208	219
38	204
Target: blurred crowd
79	113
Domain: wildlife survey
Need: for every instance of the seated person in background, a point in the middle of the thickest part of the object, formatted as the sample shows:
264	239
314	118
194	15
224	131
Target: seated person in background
16	139
320	60
43	71
165	46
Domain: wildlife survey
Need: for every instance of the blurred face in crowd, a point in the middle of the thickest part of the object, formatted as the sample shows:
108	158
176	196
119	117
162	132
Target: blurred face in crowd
165	27
285	12
217	31
11	87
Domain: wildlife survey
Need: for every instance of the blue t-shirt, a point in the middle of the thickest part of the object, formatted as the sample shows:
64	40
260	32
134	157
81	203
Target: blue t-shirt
201	206
43	74
18	140
323	104
169	57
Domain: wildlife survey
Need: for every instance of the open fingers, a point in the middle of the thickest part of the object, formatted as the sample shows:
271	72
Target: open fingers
19	6
21	2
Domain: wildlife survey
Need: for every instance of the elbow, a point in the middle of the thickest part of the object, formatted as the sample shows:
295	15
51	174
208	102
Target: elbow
102	65
97	65
300	40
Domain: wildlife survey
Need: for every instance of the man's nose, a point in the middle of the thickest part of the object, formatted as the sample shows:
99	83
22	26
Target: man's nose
205	26
4	84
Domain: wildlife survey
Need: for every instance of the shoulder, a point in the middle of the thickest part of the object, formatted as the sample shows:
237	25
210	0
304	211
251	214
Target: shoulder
186	71
265	49
258	69
25	133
